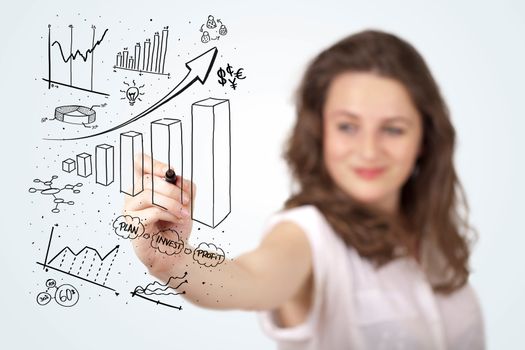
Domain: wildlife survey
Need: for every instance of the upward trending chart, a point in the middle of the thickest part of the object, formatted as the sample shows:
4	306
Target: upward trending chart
150	58
87	264
86	69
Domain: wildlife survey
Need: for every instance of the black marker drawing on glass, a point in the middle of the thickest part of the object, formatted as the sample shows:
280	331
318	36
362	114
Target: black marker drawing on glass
53	191
167	242
84	165
150	58
132	93
69	165
199	69
87	264
128	227
65	295
230	75
76	115
211	27
66	58
104	164
208	254
159	289
131	173
166	147
211	160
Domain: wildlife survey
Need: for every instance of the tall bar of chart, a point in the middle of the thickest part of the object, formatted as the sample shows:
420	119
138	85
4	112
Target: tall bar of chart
148	58
166	147
211	160
131	171
104	164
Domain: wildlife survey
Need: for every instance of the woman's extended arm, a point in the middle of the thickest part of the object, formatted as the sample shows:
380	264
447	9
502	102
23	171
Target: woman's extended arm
264	278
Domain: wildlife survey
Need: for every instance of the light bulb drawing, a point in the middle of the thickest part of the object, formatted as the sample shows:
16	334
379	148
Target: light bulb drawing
53	191
132	93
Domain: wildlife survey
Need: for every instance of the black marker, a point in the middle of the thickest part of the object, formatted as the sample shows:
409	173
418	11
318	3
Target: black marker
171	177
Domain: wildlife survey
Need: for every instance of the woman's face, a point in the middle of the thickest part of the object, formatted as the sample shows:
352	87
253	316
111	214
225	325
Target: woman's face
372	137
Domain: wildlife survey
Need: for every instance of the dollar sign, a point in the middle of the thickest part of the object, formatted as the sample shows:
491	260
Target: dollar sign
221	73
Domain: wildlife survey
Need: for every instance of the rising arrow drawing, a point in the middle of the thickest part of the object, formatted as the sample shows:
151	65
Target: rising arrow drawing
198	69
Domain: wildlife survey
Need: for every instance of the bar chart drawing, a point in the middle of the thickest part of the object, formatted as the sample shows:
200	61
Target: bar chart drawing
211	160
148	58
105	164
131	172
86	264
69	58
167	147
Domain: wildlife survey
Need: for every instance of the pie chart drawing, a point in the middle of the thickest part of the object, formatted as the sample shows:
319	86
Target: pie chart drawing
75	114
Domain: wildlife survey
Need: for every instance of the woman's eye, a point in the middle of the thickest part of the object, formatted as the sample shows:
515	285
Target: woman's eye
346	127
394	131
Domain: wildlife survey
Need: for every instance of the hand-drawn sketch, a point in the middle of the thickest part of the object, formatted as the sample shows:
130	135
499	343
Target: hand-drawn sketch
87	264
233	76
76	114
199	69
89	53
84	166
211	160
146	59
211	26
132	93
131	173
105	164
128	227
159	289
208	254
69	165
167	242
53	191
65	295
166	147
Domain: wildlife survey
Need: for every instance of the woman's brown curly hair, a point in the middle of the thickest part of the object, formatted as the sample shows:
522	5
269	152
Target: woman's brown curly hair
430	199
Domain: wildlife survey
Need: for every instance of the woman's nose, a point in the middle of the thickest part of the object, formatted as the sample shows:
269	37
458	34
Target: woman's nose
369	146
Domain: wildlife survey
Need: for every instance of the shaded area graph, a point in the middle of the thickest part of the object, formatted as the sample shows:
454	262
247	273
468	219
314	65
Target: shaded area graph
68	58
158	289
87	264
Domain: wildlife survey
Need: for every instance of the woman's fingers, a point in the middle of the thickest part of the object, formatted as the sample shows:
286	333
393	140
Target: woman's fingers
167	189
152	215
151	166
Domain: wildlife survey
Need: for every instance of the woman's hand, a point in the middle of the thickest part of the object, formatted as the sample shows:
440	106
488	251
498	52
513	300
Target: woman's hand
176	198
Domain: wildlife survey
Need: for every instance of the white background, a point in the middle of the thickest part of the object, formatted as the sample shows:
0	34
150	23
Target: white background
475	50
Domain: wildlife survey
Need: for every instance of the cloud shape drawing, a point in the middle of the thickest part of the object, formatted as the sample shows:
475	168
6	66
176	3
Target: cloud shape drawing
128	227
167	242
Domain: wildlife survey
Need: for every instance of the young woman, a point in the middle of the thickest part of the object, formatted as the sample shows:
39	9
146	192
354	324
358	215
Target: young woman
372	250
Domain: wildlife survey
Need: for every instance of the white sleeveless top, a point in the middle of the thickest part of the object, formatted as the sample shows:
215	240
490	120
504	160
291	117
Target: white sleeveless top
357	306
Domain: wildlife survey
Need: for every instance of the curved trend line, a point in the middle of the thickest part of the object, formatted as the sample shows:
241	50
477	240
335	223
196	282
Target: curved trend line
74	55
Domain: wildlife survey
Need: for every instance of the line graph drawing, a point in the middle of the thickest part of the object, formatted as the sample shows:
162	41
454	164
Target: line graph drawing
72	56
87	264
199	69
146	59
53	191
159	289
